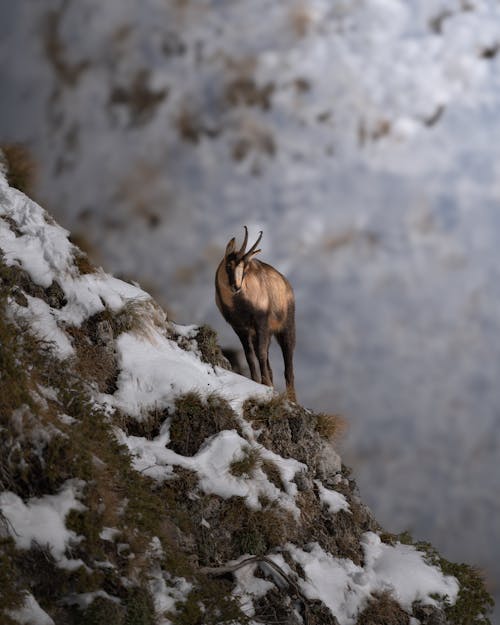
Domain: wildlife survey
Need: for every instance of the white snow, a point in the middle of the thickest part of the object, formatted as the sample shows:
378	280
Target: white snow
153	372
248	586
30	613
41	521
43	250
212	463
167	591
333	499
345	587
43	322
109	533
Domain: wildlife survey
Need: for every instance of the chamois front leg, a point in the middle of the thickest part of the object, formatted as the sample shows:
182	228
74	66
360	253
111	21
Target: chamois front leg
256	349
248	348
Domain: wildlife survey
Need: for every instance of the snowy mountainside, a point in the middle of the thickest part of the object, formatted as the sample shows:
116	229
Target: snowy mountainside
358	135
136	476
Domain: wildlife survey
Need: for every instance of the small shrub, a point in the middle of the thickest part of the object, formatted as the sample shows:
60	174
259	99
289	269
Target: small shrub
474	603
37	567
94	361
11	594
330	426
195	420
382	609
148	426
140	607
102	611
83	263
209	603
256	532
263	412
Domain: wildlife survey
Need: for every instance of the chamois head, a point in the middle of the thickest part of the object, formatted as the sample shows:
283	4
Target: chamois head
236	262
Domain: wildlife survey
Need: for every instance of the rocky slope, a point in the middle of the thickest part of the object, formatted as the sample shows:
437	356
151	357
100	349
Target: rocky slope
142	482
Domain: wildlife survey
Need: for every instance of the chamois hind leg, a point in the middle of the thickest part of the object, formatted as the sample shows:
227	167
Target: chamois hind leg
263	341
256	349
286	340
248	347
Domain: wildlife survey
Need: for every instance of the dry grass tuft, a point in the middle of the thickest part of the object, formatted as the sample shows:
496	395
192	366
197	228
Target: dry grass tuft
257	532
21	167
148	426
246	465
382	609
273	474
210	351
81	254
196	419
331	427
262	412
94	361
139	316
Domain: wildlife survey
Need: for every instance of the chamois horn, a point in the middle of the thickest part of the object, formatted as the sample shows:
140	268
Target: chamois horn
241	252
252	249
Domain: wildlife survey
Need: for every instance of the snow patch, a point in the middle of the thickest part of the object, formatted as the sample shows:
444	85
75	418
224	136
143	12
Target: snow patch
334	500
212	464
41	520
154	373
344	587
30	613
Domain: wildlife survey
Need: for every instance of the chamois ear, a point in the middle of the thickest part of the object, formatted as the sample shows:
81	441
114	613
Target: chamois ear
230	247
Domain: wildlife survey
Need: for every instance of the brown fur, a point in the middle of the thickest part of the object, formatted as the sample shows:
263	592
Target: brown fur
261	307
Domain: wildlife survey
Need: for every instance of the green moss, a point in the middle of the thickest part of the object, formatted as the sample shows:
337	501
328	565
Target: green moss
88	524
474	603
139	607
101	611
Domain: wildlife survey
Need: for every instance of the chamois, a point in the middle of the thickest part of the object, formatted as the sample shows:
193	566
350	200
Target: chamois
258	302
